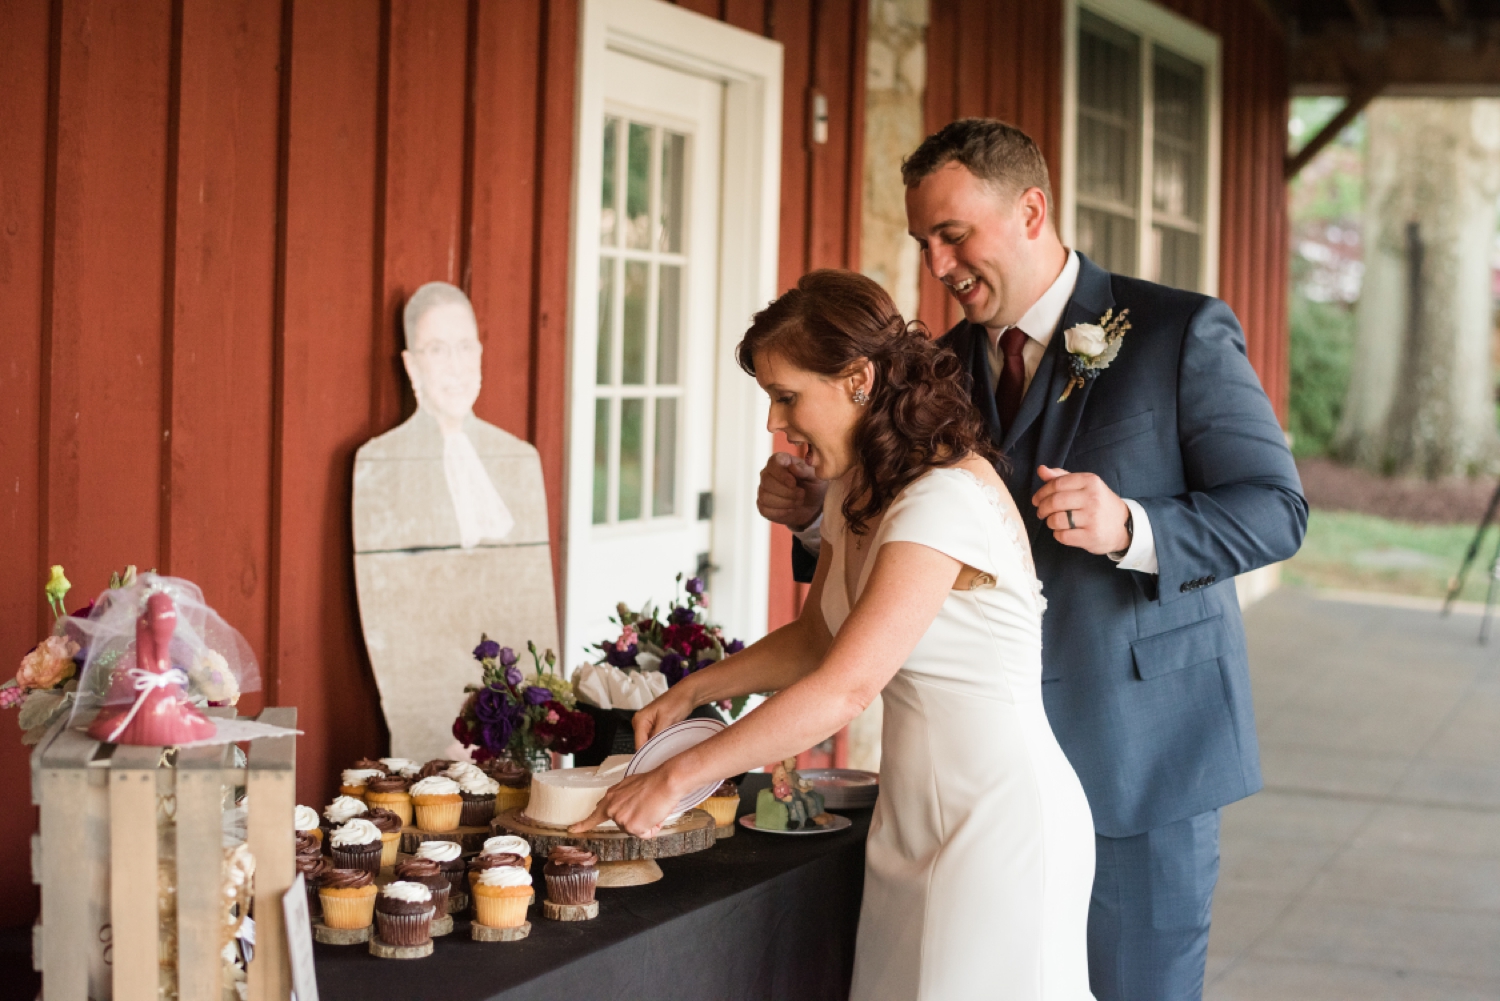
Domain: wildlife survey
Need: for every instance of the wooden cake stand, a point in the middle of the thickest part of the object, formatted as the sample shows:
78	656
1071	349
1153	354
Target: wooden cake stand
624	859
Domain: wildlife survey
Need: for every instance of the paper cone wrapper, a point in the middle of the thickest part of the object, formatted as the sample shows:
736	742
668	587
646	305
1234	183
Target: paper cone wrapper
404	929
351	908
398	803
390	847
438	813
501	906
722	809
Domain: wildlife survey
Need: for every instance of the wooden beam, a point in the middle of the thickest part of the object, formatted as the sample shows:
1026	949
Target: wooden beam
1412	57
1453	12
1359	97
1364	13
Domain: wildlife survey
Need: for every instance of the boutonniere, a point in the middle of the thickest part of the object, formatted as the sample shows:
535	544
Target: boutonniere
1091	347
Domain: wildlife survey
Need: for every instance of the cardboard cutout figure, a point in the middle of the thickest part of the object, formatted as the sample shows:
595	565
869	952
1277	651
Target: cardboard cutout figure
450	533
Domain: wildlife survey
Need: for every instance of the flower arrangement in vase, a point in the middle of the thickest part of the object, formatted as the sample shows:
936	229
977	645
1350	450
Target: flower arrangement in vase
511	715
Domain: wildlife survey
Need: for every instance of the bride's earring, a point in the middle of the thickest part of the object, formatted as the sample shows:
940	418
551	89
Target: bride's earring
861	397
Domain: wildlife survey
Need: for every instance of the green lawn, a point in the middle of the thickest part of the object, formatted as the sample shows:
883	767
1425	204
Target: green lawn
1364	553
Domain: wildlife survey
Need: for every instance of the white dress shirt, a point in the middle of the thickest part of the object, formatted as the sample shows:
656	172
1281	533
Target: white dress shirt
1038	324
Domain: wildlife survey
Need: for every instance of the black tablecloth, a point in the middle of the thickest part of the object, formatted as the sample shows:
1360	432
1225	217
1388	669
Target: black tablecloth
756	917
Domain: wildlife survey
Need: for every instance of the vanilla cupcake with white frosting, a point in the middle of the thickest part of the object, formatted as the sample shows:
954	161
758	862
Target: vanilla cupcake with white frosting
438	803
501	896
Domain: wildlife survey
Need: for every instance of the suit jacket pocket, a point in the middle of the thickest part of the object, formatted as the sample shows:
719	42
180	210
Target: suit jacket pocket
1176	649
1113	433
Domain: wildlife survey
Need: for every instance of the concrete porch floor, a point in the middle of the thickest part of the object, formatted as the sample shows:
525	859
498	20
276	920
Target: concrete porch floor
1369	867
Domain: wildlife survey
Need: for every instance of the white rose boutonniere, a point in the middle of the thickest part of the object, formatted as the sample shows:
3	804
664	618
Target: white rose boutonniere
1091	347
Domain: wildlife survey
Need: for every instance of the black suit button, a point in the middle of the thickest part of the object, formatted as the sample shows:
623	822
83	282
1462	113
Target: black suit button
1209	579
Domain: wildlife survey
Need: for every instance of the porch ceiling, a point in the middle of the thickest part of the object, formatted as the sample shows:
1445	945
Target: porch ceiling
1434	47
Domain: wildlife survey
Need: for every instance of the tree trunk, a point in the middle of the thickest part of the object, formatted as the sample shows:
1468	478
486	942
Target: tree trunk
1421	395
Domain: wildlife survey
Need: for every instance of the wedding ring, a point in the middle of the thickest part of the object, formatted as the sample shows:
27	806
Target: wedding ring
1070	520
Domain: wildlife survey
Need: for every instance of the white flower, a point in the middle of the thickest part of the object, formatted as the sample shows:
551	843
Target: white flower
1086	339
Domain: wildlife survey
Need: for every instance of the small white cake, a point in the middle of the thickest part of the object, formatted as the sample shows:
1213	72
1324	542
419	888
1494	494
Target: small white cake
563	797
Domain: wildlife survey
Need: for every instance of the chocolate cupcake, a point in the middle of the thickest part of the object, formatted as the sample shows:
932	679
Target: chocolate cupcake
572	874
449	858
348	898
389	824
313	868
309	843
427	872
357	845
403	914
371	764
513	781
436	766
478	791
389	792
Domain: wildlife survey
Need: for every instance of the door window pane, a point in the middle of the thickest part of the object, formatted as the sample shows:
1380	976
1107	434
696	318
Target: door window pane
604	353
673	152
1177	260
1177	117
632	458
664	459
608	210
1108	110
601	461
668	322
1108	240
637	275
638	188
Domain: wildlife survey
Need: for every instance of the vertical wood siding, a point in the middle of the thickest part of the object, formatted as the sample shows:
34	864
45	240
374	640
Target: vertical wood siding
1003	58
210	214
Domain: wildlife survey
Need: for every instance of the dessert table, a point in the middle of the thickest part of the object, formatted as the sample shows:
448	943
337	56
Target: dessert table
756	916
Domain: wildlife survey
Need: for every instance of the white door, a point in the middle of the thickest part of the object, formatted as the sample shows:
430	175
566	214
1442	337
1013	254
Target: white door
648	392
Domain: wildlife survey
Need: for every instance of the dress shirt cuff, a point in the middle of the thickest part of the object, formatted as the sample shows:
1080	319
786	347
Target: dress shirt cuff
1141	555
811	537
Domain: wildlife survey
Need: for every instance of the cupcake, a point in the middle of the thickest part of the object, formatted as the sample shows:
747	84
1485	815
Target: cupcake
427	872
436	766
341	811
389	825
449	858
508	844
309	843
722	805
357	845
313	868
514	782
478	791
437	802
501	896
305	821
402	768
348	898
572	873
479	863
371	765
403	914
388	792
353	781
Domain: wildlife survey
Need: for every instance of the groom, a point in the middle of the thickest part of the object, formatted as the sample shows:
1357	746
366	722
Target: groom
1146	488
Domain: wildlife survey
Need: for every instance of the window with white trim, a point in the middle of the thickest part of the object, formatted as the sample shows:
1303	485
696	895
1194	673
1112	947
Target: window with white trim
1141	142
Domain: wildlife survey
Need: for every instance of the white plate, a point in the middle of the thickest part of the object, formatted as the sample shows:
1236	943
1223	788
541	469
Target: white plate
838	823
844	788
668	744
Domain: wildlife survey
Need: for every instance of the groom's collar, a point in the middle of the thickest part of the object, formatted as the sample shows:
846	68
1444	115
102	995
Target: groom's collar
1041	320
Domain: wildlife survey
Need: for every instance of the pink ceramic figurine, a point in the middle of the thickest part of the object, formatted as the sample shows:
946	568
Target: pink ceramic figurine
148	703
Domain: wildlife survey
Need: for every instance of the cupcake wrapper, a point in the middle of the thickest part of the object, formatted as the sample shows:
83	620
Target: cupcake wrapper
477	814
722	809
367	859
439	817
501	911
358	792
348	912
404	929
314	902
390	847
573	888
511	799
398	803
440	897
457	885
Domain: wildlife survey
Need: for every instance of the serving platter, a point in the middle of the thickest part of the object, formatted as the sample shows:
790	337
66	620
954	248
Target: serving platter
835	823
844	788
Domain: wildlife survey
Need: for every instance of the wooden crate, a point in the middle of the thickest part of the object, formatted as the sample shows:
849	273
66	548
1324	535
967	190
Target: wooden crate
97	852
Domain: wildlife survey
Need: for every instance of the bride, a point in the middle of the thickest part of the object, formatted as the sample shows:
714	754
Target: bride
980	857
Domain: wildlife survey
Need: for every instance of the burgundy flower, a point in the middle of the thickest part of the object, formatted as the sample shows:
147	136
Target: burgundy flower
463	731
569	733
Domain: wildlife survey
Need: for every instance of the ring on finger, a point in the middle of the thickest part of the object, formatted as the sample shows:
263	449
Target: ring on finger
1070	519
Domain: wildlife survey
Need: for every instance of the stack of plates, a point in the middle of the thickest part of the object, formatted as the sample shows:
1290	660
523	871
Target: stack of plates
844	788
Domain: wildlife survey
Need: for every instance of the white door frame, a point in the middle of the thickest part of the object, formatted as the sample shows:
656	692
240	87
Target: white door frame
750	68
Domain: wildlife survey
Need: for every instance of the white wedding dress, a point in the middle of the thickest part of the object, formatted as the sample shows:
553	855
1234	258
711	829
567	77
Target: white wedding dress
980	858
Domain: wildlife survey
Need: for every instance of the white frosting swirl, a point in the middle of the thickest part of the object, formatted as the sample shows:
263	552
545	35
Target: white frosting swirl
439	851
476	783
505	875
507	844
359	776
412	893
357	832
345	808
435	785
459	769
404	767
305	818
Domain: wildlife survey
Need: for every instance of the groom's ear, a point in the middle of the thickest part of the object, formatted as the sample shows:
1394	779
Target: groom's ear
1036	214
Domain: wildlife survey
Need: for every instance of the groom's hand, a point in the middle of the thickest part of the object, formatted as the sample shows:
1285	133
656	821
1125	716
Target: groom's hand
1098	513
790	492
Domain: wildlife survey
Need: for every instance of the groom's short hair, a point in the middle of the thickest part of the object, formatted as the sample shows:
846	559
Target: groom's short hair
989	149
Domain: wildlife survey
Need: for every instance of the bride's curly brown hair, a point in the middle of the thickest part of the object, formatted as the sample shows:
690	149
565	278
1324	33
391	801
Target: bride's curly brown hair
920	414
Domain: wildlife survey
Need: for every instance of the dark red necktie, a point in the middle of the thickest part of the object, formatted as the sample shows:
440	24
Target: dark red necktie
1012	376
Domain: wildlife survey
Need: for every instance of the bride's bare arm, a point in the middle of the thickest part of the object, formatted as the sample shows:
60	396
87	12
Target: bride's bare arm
767	665
906	589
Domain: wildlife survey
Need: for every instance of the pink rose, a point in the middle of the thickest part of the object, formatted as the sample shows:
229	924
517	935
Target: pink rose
627	638
49	665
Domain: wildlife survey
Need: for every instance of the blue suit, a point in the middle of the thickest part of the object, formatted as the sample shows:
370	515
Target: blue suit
1145	677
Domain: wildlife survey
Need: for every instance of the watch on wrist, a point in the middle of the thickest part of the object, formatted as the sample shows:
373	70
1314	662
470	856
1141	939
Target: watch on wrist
1129	536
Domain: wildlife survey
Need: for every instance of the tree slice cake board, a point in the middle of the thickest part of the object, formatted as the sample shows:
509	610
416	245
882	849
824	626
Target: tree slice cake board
570	912
384	951
484	933
624	859
340	936
442	926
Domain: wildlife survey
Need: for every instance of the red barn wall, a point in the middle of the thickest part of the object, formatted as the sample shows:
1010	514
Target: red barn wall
210	212
1003	58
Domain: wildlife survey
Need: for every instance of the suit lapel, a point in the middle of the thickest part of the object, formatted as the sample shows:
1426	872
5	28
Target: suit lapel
983	388
1091	297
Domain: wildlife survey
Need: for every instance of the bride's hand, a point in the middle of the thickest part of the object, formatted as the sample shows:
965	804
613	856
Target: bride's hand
672	706
638	804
